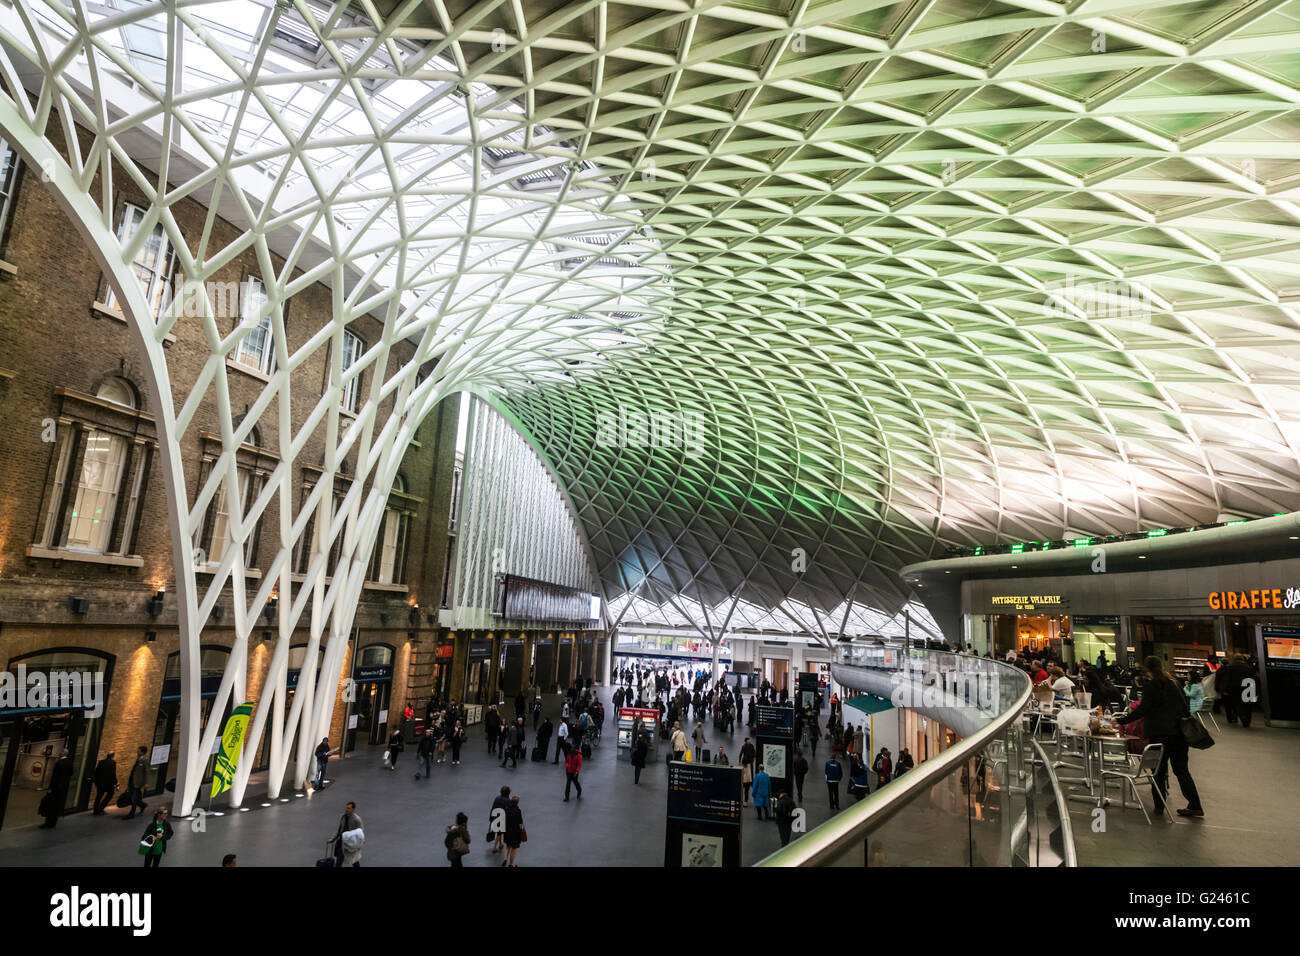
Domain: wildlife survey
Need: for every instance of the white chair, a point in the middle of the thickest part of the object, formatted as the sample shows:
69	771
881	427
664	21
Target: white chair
1145	770
1207	707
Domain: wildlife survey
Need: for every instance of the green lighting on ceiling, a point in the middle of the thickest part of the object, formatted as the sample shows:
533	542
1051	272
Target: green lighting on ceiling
1017	548
1082	542
1158	533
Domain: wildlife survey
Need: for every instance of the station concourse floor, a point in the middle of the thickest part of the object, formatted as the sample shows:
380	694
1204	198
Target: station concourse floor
1248	784
615	823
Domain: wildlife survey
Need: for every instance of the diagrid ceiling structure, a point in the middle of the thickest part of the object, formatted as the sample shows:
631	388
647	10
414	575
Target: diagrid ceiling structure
888	277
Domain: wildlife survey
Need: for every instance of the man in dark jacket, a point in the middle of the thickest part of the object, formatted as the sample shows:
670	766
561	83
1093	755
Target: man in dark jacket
544	733
784	816
834	774
497	821
1240	690
492	727
53	801
800	771
136	781
1161	709
105	783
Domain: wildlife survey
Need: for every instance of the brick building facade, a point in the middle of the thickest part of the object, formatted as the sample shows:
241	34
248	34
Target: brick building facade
74	402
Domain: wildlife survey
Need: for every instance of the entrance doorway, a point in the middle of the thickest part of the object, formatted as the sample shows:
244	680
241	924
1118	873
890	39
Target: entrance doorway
777	672
32	739
544	667
167	725
478	670
512	667
564	675
372	688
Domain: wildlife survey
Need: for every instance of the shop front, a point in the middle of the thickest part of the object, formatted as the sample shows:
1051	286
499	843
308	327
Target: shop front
36	728
1182	616
164	754
371	692
478	671
440	686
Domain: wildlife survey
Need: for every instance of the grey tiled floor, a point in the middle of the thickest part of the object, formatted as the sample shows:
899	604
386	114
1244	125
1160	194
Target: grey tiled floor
615	823
1248	784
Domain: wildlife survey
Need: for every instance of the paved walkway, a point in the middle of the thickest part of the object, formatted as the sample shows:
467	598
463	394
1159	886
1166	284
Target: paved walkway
615	823
1248	784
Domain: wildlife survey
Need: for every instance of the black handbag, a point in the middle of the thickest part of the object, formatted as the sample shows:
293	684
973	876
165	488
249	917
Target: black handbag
1193	731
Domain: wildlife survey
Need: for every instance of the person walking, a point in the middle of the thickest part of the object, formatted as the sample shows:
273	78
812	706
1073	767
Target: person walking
679	741
424	752
721	758
800	771
859	742
56	797
834	774
509	746
883	766
516	835
1240	688
351	820
562	741
544	734
105	783
136	780
762	792
784	816
492	727
746	782
746	766
572	767
457	840
456	739
323	754
700	743
395	747
1162	707
905	763
153	842
537	710
497	820
640	749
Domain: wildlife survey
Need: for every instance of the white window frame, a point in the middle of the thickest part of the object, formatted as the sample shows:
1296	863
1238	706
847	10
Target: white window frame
151	271
9	164
221	522
353	348
262	361
97	492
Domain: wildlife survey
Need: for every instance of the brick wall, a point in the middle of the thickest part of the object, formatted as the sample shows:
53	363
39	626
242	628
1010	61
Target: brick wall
52	337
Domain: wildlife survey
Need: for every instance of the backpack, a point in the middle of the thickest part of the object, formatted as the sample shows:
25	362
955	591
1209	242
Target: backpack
455	844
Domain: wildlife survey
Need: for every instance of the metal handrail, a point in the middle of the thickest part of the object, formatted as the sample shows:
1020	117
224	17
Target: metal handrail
1062	806
823	845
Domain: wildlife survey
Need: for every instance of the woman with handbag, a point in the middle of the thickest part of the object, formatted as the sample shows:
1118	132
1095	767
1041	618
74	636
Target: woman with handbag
457	840
515	832
1162	709
153	842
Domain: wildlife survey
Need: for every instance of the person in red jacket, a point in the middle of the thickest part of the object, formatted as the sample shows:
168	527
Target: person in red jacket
572	767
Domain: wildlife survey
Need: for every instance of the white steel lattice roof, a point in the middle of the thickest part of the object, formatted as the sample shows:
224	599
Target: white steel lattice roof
929	273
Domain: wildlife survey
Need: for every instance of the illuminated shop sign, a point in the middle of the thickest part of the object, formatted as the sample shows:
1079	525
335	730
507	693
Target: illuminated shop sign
1027	602
1255	599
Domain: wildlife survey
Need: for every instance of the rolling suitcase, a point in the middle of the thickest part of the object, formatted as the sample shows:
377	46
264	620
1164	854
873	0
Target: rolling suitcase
538	756
586	750
704	756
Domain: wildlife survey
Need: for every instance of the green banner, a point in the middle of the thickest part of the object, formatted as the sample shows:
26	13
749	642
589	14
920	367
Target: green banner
232	741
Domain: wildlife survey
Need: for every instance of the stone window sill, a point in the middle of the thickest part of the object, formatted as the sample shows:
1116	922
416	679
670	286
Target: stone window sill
86	557
247	370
